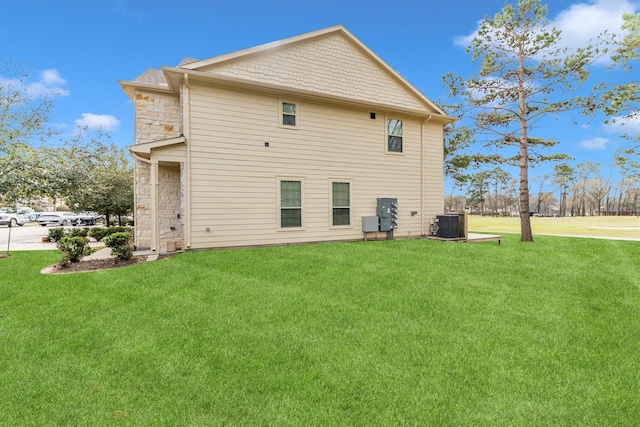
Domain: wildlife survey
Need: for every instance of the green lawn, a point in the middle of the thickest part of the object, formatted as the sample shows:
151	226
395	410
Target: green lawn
594	226
379	333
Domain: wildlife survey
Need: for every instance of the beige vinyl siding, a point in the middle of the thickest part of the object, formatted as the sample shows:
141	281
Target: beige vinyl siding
434	175
170	154
234	176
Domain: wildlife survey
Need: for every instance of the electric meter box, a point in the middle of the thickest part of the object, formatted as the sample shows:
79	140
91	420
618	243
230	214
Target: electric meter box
388	213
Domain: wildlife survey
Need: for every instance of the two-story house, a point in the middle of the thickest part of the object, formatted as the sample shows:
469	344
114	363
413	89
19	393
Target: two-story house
287	142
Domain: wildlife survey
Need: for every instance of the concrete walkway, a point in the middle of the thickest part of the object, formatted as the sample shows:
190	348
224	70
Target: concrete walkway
102	252
471	238
632	239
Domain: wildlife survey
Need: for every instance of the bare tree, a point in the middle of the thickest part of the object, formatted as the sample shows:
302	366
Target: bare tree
597	190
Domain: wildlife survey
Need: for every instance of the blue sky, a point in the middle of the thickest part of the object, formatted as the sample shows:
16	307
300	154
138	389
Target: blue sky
80	48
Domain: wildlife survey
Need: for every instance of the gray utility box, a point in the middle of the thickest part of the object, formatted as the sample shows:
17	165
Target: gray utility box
369	224
388	213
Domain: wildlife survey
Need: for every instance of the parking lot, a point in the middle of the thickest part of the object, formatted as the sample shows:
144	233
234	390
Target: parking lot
26	238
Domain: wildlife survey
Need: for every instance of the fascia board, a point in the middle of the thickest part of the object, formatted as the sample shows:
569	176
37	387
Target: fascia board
129	87
144	150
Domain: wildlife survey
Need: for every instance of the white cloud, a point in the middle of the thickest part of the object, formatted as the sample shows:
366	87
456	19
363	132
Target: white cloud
581	23
597	143
49	83
464	41
629	124
52	78
97	121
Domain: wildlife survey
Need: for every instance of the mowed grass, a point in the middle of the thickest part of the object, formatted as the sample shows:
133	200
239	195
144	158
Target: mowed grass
591	226
366	334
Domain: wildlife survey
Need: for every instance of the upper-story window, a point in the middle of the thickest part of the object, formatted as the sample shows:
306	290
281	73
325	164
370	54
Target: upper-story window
394	135
289	114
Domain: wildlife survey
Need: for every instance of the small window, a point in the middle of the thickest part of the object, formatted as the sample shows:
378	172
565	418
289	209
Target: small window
341	203
394	135
289	114
290	204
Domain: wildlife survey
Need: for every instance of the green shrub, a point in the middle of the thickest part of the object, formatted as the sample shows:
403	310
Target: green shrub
121	244
56	234
79	232
73	249
100	233
120	229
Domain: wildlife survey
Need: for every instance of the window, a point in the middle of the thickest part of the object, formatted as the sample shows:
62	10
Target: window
341	203
289	114
290	204
394	135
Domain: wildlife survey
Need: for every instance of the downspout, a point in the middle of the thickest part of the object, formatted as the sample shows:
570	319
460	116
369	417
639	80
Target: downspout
154	203
422	180
186	129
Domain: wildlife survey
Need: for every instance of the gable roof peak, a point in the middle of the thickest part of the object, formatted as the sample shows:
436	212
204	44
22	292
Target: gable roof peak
217	64
187	60
267	46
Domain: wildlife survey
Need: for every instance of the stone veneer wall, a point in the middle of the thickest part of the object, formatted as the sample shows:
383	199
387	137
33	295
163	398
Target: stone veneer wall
169	207
143	202
158	116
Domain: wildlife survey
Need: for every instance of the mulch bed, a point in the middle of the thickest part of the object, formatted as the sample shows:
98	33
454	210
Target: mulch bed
92	265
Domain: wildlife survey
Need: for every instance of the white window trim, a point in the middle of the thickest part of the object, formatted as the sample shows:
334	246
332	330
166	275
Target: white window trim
347	181
279	179
386	136
281	113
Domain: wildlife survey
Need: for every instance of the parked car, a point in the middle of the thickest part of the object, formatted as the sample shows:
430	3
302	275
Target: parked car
58	218
89	218
12	218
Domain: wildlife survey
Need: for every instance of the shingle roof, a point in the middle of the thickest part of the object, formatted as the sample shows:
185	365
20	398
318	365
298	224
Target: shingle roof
156	77
152	76
187	60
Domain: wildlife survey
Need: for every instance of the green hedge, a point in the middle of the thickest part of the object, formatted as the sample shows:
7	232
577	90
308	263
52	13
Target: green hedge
100	233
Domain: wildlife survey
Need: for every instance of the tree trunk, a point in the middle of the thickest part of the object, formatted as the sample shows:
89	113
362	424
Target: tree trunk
619	207
525	220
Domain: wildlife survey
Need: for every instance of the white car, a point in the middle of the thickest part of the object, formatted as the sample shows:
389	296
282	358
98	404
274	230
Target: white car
12	218
57	218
